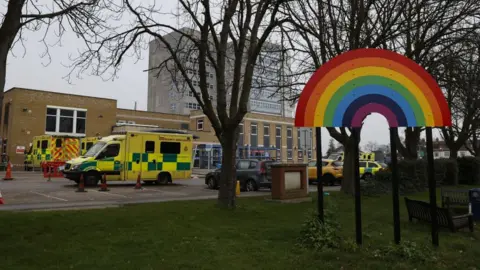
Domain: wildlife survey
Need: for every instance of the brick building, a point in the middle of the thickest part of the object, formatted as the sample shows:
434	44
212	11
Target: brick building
27	113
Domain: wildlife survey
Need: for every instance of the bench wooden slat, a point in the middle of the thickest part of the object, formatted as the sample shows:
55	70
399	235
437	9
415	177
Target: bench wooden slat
454	197
421	211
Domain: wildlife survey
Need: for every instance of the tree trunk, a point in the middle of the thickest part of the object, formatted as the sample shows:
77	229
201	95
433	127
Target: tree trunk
348	184
226	193
453	153
412	138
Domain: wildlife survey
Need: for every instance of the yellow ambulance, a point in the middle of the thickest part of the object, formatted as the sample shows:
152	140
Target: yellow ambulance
53	148
156	157
56	148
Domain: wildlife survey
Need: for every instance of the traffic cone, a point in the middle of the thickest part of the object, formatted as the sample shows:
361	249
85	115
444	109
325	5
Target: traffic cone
81	184
138	185
237	188
8	174
103	186
1	198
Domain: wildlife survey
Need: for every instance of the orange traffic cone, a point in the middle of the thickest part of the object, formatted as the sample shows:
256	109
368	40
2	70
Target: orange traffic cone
8	174
103	186
138	185
81	184
1	198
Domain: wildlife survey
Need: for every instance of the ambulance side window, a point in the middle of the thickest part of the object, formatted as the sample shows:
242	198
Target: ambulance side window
112	150
149	147
58	143
38	144
44	144
170	147
89	145
83	145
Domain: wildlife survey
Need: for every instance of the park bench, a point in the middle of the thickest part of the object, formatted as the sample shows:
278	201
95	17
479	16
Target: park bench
454	197
421	211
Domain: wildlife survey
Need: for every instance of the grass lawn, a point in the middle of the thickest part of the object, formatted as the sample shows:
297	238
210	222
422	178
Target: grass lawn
197	235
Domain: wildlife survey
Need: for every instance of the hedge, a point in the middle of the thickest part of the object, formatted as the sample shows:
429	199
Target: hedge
469	170
412	177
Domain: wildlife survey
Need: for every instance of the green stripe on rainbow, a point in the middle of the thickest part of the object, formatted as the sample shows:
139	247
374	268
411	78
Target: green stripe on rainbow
349	87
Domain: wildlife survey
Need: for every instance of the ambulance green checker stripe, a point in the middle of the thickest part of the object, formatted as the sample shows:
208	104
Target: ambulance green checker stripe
158	165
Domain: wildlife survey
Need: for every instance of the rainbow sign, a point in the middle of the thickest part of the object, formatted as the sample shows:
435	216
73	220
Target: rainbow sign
345	90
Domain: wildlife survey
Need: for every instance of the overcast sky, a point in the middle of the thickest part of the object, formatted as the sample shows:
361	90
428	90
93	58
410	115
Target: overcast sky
131	85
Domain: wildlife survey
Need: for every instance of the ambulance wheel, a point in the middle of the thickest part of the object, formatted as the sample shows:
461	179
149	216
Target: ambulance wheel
164	178
92	179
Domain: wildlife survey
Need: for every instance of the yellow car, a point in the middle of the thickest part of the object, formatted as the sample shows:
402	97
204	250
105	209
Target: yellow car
369	168
332	171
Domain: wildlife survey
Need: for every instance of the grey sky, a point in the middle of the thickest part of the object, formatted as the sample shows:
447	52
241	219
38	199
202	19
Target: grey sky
129	86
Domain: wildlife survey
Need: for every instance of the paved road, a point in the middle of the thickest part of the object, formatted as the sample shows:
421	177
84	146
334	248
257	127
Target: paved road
30	191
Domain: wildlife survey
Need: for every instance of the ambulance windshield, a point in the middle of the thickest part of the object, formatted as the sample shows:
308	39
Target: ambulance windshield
95	149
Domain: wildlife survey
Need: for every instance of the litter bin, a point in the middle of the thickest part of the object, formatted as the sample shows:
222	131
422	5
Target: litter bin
474	196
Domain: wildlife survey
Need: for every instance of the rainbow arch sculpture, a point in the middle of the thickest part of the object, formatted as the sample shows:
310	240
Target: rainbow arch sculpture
342	92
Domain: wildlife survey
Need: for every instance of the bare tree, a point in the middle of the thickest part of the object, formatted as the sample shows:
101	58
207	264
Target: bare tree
53	18
430	29
321	30
371	146
458	74
227	36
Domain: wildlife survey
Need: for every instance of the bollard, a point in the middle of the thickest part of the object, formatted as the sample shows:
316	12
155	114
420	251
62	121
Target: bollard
237	188
81	184
49	174
138	185
103	186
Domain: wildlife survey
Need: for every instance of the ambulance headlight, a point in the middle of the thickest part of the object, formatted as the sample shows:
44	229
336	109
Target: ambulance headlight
74	167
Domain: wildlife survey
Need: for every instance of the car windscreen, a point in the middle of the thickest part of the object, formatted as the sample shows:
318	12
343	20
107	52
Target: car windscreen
337	164
95	149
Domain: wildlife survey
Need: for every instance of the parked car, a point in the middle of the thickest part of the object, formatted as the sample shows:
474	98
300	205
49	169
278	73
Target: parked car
251	173
332	171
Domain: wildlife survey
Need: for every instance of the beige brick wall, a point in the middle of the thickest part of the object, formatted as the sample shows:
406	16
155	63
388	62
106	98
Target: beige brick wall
27	116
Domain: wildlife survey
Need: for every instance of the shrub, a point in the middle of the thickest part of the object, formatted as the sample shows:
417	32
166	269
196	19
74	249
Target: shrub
468	170
406	250
320	236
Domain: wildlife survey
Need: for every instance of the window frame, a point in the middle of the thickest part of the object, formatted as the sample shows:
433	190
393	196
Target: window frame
58	117
149	144
200	124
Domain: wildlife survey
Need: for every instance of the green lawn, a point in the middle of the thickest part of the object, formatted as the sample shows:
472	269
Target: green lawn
197	235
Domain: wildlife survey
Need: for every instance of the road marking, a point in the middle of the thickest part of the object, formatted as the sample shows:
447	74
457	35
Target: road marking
167	192
113	194
48	196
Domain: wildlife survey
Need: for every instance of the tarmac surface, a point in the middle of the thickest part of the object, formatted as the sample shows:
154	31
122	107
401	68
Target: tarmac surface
30	191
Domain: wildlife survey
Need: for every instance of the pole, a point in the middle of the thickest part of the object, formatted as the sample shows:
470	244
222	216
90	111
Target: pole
356	170
318	132
432	186
396	203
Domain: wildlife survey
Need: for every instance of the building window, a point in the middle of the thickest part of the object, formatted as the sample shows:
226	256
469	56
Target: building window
299	141
240	134
65	120
253	135
173	107
200	124
194	106
289	142
278	141
184	126
266	135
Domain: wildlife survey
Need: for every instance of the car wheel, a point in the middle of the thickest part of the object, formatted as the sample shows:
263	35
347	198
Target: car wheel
163	178
328	180
251	185
91	179
211	183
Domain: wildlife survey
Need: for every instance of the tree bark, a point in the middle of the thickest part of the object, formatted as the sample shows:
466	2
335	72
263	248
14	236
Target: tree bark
348	165
453	153
408	150
226	194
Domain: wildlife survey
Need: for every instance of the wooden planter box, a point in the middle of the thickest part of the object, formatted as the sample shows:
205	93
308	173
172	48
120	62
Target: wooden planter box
289	181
